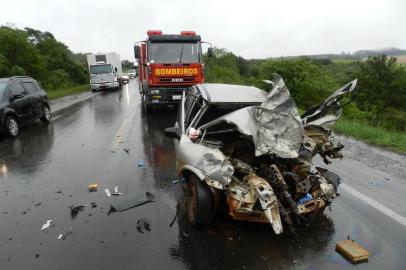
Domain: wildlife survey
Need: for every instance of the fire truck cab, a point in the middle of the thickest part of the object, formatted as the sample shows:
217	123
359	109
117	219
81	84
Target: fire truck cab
167	65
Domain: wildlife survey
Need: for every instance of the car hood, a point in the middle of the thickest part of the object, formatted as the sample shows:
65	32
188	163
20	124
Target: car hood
275	126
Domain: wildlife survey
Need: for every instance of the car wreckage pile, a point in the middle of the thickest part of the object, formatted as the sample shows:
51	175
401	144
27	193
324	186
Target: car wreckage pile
265	169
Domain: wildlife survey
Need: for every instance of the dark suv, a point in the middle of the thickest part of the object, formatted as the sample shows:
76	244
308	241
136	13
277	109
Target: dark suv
21	99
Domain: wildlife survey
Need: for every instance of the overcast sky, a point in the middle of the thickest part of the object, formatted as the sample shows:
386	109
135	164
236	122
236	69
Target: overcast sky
252	29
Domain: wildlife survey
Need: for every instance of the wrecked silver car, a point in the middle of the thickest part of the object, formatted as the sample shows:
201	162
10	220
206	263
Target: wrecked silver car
250	150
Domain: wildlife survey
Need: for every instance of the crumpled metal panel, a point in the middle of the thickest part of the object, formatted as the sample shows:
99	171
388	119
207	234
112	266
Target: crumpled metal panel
275	126
215	165
280	129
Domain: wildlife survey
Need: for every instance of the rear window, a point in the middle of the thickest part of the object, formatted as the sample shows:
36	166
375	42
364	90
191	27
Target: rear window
30	87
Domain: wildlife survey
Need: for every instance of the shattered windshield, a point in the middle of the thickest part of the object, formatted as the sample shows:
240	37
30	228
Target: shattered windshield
174	52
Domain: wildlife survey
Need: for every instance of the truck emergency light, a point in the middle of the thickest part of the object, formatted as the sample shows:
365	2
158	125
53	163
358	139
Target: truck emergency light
154	32
188	33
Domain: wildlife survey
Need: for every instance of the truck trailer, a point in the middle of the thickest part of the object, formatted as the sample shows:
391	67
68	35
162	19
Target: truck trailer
167	65
105	71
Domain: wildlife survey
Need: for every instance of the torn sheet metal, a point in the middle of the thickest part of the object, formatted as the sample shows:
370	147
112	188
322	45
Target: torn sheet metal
275	126
280	129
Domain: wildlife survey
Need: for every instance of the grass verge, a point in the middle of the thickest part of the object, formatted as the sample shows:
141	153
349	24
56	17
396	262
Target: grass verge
53	94
393	140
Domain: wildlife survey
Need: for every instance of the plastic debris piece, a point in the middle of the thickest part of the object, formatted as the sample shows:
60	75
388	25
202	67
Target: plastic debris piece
143	224
352	251
107	192
46	225
127	150
175	182
306	198
117	193
93	204
93	187
176	215
75	209
128	204
60	236
141	163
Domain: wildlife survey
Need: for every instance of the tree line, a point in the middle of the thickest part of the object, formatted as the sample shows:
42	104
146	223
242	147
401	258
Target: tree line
39	55
379	100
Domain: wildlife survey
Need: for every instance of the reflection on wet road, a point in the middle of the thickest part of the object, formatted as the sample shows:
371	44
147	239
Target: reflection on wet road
49	168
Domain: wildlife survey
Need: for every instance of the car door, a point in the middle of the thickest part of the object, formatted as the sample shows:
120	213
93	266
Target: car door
34	95
20	102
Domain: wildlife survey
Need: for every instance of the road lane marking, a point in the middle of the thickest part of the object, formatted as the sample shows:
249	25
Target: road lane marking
381	208
119	137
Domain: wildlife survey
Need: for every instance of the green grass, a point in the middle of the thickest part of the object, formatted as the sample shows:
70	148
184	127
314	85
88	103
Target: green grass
53	94
393	140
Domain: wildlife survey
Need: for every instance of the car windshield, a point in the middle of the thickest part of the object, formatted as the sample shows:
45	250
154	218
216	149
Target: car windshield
215	111
3	86
99	69
174	52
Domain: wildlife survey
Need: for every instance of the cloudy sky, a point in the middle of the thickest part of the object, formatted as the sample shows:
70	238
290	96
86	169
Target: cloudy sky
252	29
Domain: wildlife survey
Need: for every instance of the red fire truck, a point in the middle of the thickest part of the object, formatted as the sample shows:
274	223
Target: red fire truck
168	64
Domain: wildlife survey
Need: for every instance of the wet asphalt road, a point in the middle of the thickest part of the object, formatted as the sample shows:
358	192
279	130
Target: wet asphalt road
48	169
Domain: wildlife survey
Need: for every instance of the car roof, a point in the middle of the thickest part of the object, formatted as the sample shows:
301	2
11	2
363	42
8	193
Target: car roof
231	93
15	78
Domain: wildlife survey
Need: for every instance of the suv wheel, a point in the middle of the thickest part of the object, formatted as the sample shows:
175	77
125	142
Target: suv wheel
12	126
46	118
199	202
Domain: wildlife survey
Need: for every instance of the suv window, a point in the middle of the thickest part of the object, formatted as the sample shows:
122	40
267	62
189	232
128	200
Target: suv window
30	87
17	89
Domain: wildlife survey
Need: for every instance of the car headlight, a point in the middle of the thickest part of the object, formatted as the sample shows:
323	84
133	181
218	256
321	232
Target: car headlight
154	91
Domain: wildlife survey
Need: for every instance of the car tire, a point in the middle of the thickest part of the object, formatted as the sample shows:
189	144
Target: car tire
12	126
199	202
148	108
46	117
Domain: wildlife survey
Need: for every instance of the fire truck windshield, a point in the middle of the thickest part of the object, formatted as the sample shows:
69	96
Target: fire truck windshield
174	52
100	69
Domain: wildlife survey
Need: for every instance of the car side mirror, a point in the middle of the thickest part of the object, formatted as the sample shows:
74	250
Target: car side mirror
210	52
173	132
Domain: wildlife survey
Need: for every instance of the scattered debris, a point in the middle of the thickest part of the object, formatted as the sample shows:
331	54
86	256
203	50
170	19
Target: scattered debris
176	215
60	236
186	234
372	183
37	204
116	192
46	225
127	150
138	201
93	204
37	255
352	251
141	163
175	182
107	192
58	191
74	210
93	187
143	224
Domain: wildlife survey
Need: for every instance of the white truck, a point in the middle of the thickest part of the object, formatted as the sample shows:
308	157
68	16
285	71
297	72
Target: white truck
105	70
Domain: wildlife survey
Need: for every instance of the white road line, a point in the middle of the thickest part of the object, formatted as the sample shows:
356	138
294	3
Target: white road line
381	208
119	137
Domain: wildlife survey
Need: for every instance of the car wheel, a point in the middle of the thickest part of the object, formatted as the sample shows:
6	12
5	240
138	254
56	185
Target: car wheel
148	108
12	126
199	202
46	118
